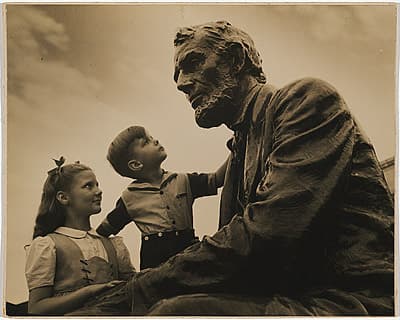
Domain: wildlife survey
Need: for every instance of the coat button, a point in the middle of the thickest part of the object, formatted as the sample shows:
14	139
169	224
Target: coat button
161	192
146	238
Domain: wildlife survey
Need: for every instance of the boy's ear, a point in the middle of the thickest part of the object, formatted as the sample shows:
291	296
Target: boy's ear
62	197
135	165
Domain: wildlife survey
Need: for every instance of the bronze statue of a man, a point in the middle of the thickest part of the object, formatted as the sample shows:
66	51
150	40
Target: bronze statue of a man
306	221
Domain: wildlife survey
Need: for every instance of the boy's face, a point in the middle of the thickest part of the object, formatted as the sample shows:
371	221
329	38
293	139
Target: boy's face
148	151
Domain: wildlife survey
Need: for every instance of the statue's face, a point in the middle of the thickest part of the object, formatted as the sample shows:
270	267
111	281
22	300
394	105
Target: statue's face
207	82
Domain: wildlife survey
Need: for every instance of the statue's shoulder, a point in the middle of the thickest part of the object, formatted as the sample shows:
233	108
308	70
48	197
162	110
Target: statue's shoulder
307	96
309	85
312	89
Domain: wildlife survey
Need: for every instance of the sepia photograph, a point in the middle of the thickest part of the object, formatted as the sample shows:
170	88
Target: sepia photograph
209	159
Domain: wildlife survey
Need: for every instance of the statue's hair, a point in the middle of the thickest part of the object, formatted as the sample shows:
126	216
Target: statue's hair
220	35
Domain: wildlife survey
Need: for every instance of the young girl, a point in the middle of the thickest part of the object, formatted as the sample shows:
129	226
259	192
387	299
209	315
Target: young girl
68	263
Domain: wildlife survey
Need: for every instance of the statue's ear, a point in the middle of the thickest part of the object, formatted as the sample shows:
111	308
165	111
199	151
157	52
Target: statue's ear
237	57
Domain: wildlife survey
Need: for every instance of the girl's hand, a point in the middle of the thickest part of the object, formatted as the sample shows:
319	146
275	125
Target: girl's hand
97	288
43	302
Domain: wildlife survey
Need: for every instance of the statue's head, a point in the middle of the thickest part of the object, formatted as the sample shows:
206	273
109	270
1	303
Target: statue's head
211	60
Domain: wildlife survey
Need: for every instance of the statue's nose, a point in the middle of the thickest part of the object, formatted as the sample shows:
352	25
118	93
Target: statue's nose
184	83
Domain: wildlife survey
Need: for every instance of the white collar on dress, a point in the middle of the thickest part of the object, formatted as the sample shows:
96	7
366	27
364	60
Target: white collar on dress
75	233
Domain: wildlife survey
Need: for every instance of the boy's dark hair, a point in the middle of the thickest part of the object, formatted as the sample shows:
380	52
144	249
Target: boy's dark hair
118	152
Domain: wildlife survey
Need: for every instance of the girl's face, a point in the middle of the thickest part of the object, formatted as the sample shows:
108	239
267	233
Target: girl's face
84	195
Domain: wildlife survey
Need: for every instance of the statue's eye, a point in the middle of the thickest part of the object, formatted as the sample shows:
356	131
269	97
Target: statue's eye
193	61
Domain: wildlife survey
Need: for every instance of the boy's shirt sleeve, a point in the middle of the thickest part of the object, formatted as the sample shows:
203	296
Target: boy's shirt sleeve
202	184
115	221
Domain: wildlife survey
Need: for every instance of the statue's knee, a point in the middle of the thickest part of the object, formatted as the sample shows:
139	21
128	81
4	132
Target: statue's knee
165	307
180	305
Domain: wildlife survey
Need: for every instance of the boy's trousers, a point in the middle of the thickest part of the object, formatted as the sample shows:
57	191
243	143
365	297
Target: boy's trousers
159	247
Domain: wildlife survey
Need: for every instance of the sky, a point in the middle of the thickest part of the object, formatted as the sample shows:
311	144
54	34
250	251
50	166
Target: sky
79	74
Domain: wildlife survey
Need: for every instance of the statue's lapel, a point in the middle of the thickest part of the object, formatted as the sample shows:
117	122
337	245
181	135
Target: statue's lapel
255	141
251	163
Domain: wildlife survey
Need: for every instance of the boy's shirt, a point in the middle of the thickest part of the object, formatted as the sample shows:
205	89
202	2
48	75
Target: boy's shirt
158	209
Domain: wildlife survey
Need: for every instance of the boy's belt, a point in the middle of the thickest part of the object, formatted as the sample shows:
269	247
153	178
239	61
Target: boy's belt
169	234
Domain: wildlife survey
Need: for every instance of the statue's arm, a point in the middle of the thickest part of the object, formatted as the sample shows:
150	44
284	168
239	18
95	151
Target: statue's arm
313	141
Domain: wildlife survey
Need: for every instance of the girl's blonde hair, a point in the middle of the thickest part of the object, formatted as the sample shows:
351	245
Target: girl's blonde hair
51	213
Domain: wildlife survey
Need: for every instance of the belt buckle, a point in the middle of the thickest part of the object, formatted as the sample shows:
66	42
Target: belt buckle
160	234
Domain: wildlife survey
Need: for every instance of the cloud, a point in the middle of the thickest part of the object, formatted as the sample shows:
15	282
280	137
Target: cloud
34	41
26	25
44	91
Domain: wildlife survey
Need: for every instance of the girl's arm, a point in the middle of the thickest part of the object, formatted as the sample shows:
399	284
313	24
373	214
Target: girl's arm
42	302
220	174
40	273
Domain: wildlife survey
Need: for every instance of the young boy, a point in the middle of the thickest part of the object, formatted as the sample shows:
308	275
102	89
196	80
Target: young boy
158	201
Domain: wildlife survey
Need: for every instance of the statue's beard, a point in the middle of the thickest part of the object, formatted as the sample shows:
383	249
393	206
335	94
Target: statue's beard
219	106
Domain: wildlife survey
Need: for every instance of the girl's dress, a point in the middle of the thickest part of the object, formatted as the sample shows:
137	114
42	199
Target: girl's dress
69	259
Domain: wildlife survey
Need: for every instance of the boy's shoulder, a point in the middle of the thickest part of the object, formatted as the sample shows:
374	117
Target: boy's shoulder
168	176
136	188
